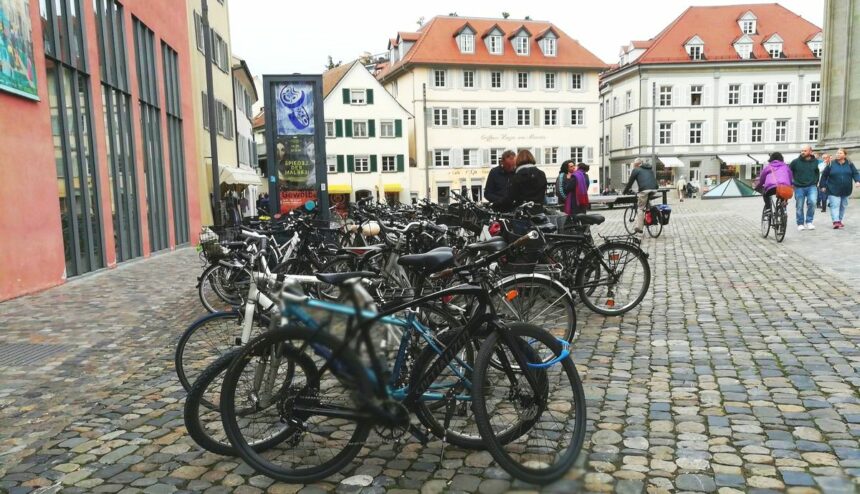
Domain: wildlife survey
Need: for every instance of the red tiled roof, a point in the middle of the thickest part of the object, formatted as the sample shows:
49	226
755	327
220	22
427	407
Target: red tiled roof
718	28
407	36
259	120
436	45
332	77
638	45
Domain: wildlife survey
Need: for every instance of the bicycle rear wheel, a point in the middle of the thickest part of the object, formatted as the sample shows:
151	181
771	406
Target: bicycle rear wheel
203	342
655	228
221	288
765	222
780	223
613	278
536	300
534	431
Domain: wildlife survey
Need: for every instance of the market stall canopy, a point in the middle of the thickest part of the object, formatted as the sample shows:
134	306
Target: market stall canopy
243	176
671	162
744	159
339	188
730	188
392	187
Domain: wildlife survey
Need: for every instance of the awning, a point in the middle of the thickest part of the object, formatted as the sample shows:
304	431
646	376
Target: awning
763	159
339	189
739	159
392	187
233	175
671	162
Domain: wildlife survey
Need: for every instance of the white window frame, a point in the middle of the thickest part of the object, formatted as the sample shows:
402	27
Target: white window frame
550	155
758	89
521	80
495	45
331	163
550	117
496	156
441	117
665	95
550	81
748	26
497	115
782	92
469	117
629	102
577	153
697	89
576	80
329	126
469	76
521	45
501	79
664	134
813	129
357	96
744	50
440	75
550	47
382	126
815	92
696	132
734	94
774	50
577	117
442	158
733	130
757	131
392	160
628	135
365	168
467	43
356	124
524	117
697	52
470	157
780	126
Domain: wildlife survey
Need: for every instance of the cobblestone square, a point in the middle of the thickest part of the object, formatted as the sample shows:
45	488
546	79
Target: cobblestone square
738	373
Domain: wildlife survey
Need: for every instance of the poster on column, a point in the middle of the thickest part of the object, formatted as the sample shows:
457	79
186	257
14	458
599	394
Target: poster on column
294	146
17	65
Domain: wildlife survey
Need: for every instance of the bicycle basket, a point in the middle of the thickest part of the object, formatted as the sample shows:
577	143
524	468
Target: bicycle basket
210	245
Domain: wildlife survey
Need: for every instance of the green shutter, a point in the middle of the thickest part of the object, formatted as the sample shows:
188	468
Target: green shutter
398	128
338	128
370	96
345	96
371	128
400	166
373	163
340	163
348	127
350	163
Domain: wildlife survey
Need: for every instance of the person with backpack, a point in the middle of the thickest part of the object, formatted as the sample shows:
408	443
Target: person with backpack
836	182
775	173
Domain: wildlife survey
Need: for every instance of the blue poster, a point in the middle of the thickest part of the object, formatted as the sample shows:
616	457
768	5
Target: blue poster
294	108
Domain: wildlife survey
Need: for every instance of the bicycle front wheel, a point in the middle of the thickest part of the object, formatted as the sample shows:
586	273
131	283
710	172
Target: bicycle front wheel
203	342
630	219
613	278
221	288
532	416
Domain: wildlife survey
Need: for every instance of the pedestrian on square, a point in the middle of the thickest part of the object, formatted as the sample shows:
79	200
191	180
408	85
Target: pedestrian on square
577	191
822	196
804	170
564	175
499	179
646	182
775	173
836	182
682	187
527	185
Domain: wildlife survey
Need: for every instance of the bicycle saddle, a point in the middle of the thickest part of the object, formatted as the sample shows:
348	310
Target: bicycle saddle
340	278
436	260
589	219
494	244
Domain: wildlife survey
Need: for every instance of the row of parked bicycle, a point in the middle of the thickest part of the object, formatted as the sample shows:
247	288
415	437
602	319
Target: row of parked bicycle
409	321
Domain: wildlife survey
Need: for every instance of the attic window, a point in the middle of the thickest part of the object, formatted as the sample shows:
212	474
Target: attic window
744	48
494	44
748	26
549	46
817	48
521	45
695	48
774	49
467	42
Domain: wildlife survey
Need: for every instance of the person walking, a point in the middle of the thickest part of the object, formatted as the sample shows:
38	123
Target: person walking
822	195
527	185
646	182
499	179
775	173
564	174
836	182
804	170
682	187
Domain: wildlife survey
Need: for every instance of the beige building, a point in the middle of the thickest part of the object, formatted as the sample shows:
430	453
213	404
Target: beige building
222	81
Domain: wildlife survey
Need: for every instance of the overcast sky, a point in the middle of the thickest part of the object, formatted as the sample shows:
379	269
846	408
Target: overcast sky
283	37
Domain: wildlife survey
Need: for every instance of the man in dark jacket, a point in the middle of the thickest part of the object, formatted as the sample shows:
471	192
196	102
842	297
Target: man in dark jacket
646	182
804	170
527	185
499	179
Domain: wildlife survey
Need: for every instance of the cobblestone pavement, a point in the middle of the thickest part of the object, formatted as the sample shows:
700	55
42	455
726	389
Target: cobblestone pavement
738	373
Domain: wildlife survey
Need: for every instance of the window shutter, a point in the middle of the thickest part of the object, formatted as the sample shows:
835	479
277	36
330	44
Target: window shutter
565	117
348	129
373	163
689	100
706	137
340	163
769	90
486	157
792	93
371	128
808	92
792	136
676	95
511	117
370	96
706	96
350	163
536	118
338	128
400	163
345	96
538	154
398	128
589	154
485	117
563	153
455	117
746	95
769	131
584	114
744	130
584	79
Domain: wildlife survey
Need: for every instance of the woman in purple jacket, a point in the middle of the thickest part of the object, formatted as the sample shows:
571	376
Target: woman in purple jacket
775	173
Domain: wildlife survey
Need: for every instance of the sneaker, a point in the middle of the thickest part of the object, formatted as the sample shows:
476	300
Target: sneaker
810	226
835	225
841	225
800	228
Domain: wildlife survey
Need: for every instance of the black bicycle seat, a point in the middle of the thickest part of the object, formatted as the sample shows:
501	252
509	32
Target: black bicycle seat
436	260
589	219
494	244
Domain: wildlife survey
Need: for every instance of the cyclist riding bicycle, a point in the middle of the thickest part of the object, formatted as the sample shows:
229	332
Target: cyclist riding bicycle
776	175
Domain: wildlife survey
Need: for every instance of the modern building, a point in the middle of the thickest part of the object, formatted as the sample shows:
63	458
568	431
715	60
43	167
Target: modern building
713	93
367	145
480	86
98	147
244	97
222	84
840	107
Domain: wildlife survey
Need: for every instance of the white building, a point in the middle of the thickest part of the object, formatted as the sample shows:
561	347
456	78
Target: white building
244	97
480	86
367	146
713	94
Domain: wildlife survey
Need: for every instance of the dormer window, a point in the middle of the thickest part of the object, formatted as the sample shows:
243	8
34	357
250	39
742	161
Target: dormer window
495	45
466	39
774	46
744	47
816	45
521	45
548	42
695	48
494	39
748	23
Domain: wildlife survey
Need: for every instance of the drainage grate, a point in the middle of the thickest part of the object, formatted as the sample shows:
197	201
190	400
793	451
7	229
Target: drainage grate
15	354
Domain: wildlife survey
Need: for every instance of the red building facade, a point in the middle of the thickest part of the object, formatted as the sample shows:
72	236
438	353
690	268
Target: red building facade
96	171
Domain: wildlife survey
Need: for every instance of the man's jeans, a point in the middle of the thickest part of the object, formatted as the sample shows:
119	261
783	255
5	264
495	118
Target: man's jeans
805	196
